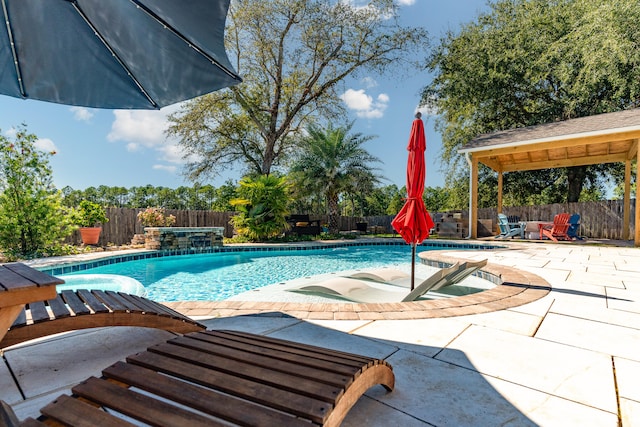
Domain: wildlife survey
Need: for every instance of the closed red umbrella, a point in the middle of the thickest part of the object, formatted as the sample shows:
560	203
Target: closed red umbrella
413	222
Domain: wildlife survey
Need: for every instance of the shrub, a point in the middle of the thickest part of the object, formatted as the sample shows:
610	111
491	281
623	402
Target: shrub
262	207
155	217
33	221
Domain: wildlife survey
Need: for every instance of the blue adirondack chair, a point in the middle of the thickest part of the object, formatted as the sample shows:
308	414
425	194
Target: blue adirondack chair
510	229
574	226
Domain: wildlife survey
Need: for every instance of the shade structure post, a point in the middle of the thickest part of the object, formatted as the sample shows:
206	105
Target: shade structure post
413	222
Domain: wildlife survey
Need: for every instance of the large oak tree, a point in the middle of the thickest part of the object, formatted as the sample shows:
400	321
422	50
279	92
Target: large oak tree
528	62
293	56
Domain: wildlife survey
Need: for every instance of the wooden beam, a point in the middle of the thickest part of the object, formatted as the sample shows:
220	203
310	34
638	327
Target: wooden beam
633	150
626	216
493	163
562	163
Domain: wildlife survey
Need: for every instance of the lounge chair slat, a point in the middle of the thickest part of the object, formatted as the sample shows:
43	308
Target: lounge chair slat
160	309
138	406
75	304
21	320
91	301
103	297
58	307
11	280
212	402
70	411
143	304
39	312
227	347
286	381
295	348
130	304
274	397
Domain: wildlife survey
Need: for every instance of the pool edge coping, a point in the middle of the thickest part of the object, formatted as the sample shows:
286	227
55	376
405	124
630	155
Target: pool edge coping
517	288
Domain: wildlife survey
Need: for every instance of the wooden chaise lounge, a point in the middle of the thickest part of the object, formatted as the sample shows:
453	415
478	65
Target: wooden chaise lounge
215	378
85	309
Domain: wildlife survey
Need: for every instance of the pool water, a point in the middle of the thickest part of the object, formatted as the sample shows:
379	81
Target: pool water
218	276
105	282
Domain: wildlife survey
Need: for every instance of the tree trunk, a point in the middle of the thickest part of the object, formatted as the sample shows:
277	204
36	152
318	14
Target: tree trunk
575	177
269	154
334	213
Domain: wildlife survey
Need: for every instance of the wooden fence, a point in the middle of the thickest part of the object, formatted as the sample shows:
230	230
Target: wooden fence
123	224
602	219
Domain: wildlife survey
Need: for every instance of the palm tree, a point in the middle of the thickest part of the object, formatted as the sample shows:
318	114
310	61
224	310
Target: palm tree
330	160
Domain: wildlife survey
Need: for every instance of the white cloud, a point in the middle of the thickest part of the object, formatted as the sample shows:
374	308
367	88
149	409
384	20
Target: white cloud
145	130
406	2
364	105
81	113
140	127
369	82
427	111
46	145
166	168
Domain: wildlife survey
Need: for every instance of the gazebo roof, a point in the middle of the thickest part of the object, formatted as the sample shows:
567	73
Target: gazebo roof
603	138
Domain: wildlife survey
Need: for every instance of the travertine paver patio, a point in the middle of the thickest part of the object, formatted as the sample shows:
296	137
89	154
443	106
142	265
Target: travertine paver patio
568	357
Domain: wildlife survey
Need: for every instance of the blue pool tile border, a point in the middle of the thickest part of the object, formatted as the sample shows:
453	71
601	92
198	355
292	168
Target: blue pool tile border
85	265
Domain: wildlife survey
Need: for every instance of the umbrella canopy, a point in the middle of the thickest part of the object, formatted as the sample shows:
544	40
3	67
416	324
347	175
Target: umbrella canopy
133	54
413	222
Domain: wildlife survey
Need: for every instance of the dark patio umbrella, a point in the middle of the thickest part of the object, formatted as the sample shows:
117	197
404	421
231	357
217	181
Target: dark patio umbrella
133	54
413	222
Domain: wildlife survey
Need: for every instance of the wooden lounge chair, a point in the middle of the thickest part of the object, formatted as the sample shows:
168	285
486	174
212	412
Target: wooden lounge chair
218	377
85	309
557	230
510	227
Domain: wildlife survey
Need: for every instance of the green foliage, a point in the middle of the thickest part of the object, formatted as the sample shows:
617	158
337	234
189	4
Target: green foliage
90	214
262	207
293	55
33	221
332	163
528	62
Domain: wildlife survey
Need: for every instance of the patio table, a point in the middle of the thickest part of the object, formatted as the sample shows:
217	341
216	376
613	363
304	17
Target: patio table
20	285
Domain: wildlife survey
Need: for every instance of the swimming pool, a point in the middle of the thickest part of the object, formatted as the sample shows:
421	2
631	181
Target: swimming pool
219	276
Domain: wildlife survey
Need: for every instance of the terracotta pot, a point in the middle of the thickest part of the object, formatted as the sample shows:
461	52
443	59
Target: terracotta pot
90	235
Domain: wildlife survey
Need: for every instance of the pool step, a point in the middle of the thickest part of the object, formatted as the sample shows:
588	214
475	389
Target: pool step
84	309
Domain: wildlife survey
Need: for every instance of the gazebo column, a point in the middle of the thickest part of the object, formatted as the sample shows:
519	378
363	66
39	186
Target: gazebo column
499	191
473	211
637	219
626	215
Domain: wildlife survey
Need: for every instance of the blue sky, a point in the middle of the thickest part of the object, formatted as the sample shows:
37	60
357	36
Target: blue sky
128	148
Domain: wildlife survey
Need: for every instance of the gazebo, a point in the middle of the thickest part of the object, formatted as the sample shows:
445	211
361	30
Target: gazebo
603	138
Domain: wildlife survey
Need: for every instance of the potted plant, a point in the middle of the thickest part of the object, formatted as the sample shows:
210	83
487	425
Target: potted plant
89	217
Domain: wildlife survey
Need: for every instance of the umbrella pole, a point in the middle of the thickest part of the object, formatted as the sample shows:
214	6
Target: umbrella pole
413	265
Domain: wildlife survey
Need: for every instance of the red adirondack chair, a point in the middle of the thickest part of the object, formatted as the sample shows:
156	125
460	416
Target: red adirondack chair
558	229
